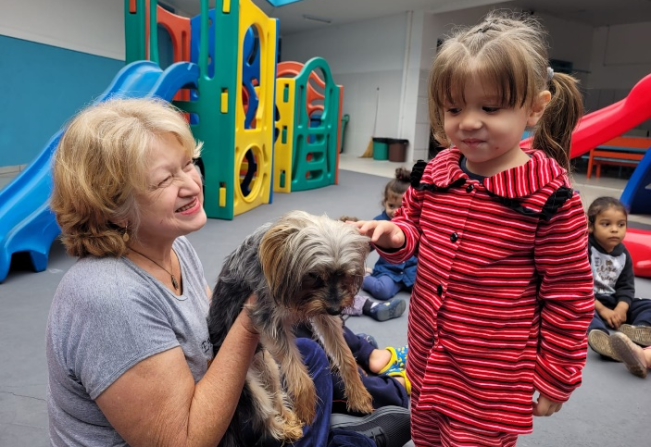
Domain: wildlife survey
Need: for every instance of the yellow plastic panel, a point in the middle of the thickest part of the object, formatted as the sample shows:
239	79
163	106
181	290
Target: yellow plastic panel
260	138
285	99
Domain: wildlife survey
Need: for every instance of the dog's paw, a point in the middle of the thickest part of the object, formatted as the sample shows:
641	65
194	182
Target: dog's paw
360	400
292	429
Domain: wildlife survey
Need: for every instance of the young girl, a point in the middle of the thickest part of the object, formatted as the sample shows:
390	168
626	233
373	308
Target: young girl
614	285
388	279
503	295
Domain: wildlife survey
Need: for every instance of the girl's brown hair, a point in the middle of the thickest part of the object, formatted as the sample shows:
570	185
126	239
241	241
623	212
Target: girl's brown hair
100	164
397	185
508	50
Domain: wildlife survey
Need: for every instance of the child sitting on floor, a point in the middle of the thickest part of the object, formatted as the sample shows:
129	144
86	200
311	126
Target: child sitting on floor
614	287
386	279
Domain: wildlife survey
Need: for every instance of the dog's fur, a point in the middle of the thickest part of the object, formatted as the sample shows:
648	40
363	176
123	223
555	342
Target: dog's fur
303	268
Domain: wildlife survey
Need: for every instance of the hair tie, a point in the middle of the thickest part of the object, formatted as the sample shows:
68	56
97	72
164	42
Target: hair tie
550	73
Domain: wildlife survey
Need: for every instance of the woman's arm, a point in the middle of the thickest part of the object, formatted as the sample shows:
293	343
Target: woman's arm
157	402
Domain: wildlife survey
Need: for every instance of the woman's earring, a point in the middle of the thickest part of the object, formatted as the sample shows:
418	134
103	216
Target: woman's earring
125	235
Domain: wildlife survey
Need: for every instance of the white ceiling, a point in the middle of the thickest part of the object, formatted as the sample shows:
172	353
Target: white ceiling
593	12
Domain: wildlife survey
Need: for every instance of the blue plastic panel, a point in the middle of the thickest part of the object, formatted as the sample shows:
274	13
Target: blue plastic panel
277	3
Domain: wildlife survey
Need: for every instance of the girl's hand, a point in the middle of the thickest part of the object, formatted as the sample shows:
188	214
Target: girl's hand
545	406
383	233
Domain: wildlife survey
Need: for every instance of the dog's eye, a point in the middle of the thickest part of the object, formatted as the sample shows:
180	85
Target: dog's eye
315	279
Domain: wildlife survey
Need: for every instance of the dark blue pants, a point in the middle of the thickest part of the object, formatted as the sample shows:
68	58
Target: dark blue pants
639	314
318	433
384	389
381	287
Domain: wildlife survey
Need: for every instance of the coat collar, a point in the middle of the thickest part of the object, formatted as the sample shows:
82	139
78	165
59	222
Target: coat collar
516	183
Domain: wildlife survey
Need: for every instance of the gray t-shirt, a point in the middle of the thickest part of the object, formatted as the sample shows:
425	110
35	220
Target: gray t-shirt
107	315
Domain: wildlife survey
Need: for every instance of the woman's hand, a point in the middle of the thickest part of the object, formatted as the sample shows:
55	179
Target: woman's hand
545	406
245	317
383	233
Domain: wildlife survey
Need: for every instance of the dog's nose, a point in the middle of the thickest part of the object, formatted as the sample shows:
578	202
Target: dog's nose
333	311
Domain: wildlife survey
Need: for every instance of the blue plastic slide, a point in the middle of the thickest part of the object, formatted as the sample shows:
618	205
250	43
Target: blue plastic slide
26	222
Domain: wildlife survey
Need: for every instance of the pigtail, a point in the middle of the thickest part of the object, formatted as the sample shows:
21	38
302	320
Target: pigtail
554	131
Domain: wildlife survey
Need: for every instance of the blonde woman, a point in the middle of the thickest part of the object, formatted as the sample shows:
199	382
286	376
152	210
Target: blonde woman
129	356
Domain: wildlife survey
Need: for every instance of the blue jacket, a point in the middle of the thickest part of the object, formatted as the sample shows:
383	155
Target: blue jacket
404	272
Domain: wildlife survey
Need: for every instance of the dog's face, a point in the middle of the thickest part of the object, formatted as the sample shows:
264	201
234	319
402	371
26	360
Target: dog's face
313	264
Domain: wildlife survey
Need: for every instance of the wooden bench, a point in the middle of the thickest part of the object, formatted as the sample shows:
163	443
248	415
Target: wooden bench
620	151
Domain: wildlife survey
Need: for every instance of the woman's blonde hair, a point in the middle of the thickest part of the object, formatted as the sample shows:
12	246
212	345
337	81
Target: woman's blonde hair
100	164
509	51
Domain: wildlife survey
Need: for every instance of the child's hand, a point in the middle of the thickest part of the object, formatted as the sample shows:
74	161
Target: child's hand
383	233
545	406
620	314
609	316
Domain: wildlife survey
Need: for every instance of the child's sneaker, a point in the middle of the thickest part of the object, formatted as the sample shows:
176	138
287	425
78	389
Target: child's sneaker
398	360
356	309
630	353
387	310
638	334
402	373
599	341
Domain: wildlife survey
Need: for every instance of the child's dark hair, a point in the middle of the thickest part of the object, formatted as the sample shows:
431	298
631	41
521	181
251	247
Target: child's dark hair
399	184
602	204
508	49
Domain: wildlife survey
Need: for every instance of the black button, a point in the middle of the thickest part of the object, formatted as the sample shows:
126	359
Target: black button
439	289
454	237
469	188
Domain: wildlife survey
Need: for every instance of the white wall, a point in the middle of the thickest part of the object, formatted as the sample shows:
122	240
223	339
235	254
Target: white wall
89	26
620	56
412	105
363	57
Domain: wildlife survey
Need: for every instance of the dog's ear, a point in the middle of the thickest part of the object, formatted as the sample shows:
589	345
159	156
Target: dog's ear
276	262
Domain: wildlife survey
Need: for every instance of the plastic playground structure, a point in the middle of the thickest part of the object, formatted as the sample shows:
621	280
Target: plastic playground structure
265	126
224	78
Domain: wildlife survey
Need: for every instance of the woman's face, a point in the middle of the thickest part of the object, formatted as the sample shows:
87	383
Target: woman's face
173	204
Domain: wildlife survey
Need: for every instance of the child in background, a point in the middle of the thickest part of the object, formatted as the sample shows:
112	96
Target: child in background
614	286
503	295
382	370
387	279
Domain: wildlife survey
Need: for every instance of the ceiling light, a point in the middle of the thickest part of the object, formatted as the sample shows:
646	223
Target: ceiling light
317	19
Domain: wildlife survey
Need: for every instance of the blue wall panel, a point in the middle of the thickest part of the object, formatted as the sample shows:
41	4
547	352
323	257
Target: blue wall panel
42	87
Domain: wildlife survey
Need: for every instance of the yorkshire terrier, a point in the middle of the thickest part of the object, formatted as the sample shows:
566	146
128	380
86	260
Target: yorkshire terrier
303	269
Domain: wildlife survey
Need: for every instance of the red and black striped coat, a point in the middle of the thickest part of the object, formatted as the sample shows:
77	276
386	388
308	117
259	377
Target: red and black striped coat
502	299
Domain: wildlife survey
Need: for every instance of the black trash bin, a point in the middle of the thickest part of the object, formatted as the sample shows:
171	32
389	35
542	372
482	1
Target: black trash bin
397	150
